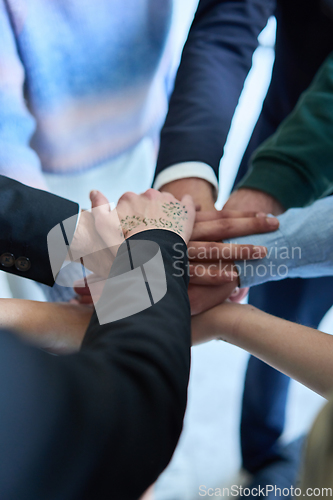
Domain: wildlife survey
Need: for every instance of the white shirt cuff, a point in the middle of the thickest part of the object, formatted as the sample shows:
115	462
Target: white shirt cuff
186	170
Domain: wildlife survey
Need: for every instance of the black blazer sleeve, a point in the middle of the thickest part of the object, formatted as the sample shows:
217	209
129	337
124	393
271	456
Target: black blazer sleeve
103	423
215	62
26	217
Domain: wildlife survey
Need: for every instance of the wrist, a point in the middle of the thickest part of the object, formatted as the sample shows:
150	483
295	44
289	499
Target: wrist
82	239
244	322
202	191
233	319
218	323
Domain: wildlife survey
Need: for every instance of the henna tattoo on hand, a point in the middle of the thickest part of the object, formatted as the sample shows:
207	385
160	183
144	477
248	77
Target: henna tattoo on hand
175	210
132	222
175	214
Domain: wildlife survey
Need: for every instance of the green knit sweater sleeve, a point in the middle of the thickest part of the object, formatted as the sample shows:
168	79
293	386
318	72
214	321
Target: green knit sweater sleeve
295	165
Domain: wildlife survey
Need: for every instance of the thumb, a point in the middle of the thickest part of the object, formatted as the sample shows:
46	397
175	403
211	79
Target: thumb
188	201
98	199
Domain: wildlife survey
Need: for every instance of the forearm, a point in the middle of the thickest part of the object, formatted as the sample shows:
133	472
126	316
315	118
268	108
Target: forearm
55	327
302	353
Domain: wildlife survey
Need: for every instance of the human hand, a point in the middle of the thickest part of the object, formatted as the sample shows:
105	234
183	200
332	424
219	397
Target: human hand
255	200
212	225
220	322
136	213
88	243
214	277
226	224
150	210
202	191
213	274
212	263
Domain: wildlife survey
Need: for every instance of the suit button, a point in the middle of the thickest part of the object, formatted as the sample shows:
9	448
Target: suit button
7	259
22	264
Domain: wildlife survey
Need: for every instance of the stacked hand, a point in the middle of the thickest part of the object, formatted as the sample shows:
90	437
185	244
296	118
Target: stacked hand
60	327
214	277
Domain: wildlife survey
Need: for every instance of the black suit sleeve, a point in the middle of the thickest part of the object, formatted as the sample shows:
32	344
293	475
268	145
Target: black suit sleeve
26	217
103	423
215	62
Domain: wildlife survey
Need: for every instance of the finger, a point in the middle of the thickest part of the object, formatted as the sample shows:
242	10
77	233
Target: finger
232	228
211	251
188	202
152	194
203	298
239	294
107	221
240	214
212	274
98	199
224	214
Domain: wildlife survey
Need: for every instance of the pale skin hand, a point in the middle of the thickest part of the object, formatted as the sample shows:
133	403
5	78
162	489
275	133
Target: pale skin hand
87	242
137	213
150	210
300	352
